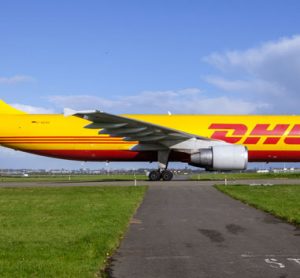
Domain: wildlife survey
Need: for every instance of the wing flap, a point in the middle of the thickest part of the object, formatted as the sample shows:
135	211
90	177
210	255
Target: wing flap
133	129
123	131
105	125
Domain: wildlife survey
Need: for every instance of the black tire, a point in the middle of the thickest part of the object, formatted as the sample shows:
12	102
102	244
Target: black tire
154	175
167	175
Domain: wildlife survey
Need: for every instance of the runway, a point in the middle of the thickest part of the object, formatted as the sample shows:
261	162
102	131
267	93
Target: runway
189	229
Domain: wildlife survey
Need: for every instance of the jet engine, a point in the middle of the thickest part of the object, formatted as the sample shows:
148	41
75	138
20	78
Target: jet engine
221	157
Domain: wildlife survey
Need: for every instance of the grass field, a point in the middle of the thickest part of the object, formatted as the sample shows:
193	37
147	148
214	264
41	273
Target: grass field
72	178
237	176
62	232
280	200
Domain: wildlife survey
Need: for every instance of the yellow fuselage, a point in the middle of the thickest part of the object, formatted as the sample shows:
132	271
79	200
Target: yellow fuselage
268	138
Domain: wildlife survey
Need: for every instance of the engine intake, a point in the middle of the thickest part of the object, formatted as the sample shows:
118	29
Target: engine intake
223	157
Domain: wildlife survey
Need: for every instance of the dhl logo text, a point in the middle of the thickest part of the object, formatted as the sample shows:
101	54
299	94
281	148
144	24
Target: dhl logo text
261	133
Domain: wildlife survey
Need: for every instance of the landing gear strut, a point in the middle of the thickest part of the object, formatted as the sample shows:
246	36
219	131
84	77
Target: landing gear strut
162	172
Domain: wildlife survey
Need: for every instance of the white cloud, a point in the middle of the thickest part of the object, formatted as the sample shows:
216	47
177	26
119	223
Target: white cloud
254	86
270	72
185	101
255	59
32	109
16	79
79	102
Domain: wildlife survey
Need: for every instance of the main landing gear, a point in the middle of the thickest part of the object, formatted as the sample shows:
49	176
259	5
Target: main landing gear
162	172
156	175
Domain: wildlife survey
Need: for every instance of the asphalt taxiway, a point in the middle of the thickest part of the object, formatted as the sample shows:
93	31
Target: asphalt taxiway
190	229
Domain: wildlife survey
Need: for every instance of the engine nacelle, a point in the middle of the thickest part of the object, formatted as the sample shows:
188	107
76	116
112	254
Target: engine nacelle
223	157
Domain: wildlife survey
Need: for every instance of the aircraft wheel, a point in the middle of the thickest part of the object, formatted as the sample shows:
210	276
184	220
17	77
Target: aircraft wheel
154	175
167	175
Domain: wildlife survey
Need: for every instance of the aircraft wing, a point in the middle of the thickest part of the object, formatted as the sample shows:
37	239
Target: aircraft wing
132	129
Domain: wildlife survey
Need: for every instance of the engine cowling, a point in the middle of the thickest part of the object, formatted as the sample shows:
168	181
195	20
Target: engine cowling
223	157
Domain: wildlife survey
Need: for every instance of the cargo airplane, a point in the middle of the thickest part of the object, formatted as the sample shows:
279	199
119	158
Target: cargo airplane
213	142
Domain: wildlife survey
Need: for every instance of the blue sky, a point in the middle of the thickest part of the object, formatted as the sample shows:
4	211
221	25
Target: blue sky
148	56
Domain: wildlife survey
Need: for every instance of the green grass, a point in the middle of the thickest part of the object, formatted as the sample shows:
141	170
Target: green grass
280	200
71	178
62	232
237	176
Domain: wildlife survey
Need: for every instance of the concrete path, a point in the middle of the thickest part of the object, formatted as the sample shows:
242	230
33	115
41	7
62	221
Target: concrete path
187	229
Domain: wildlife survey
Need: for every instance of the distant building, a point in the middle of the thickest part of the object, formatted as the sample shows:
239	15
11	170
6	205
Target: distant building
263	171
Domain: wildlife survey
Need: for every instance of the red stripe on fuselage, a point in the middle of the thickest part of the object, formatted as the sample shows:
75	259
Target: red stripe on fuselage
109	155
128	155
69	142
274	156
58	137
98	155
